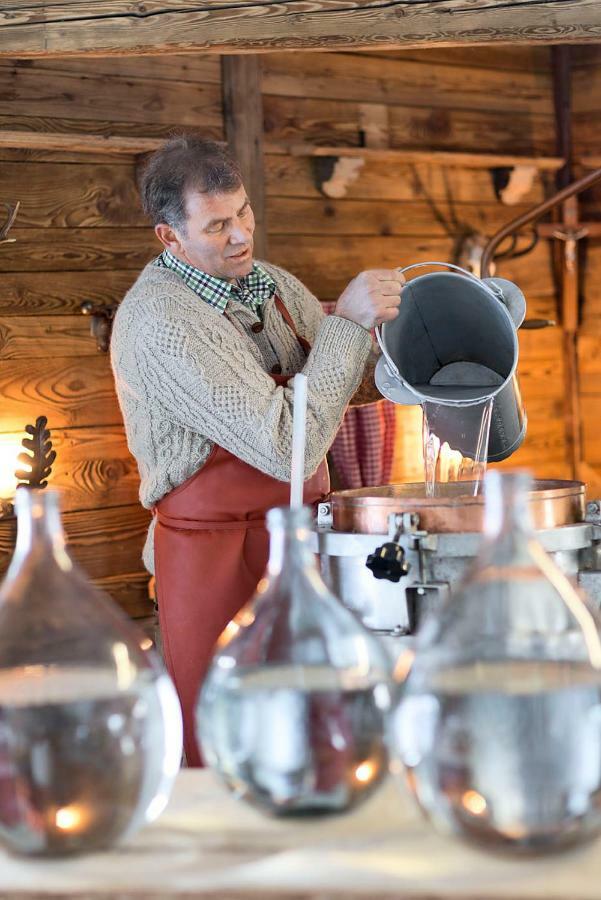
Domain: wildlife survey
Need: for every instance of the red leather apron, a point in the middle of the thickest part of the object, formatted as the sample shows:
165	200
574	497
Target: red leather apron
210	550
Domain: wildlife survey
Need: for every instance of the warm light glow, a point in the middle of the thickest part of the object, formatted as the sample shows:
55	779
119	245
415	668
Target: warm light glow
68	818
365	771
10	447
403	665
146	643
242	620
474	803
126	670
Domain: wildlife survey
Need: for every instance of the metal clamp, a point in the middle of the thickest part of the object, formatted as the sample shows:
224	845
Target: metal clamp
325	518
423	597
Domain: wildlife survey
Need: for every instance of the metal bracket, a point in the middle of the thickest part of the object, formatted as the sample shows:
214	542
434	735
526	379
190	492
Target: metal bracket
593	512
421	598
324	515
101	322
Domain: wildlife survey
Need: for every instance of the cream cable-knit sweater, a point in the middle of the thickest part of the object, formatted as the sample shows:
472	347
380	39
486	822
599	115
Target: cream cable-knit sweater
188	376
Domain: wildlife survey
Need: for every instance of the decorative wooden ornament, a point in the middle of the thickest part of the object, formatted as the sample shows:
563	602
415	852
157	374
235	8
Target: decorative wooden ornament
40	456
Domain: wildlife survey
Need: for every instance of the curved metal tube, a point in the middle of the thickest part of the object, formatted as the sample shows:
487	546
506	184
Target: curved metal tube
576	187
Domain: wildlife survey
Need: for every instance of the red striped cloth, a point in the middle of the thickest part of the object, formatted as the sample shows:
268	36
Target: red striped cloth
363	449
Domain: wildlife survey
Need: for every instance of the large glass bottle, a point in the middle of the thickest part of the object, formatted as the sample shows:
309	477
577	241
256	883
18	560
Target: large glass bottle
292	712
499	720
90	725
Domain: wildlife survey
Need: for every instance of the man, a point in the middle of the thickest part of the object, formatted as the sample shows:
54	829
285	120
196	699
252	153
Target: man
203	346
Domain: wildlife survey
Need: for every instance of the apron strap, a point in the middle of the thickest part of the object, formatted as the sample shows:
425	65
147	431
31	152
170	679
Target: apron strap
306	346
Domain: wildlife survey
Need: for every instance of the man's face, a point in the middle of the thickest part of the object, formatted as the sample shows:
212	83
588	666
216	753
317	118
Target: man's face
219	234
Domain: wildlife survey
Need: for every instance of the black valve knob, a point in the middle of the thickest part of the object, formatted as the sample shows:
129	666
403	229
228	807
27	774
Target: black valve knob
388	561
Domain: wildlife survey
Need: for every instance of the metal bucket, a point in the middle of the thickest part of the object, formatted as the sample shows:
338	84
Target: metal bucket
455	343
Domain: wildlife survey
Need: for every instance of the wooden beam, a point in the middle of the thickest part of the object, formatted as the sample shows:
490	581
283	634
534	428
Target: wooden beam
243	119
84	143
451	158
101	27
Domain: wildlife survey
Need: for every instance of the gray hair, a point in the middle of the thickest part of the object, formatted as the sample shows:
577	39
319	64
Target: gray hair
185	163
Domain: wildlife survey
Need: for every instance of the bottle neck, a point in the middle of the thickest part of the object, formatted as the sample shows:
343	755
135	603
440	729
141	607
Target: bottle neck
289	535
507	518
39	529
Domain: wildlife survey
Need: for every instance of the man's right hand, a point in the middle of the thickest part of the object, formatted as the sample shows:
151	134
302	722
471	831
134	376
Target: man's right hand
372	297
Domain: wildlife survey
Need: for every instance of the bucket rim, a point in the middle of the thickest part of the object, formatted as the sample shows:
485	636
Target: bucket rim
419	395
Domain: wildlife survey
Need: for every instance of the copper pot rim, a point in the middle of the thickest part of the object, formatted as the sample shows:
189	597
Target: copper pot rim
543	489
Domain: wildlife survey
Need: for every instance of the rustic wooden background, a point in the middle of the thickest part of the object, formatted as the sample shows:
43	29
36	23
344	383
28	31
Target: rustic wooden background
80	236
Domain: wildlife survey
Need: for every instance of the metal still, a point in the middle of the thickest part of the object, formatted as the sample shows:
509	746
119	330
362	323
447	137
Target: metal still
390	552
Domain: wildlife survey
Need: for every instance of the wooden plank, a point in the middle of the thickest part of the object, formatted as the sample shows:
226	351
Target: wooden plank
85	158
288	176
589	363
62	195
117	145
243	121
70	392
86	95
586	89
60	293
293	215
107	128
93	467
448	158
586	130
37	249
331	122
197	69
111	145
585	55
104	542
591	416
520	58
591	308
326	265
130	592
46	337
103	27
397	80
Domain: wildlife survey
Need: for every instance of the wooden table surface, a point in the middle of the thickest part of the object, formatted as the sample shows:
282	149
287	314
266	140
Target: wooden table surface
206	844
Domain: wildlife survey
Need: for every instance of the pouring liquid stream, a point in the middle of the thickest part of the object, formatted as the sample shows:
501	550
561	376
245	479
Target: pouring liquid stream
455	444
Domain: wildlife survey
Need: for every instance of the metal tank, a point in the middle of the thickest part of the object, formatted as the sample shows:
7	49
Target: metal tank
390	552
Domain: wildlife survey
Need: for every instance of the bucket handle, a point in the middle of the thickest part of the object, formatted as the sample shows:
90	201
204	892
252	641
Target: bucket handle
392	367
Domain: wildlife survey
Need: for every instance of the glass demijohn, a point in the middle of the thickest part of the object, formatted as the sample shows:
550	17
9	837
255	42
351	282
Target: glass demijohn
90	725
292	712
498	725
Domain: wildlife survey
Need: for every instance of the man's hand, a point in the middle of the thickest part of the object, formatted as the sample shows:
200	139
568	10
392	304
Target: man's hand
371	298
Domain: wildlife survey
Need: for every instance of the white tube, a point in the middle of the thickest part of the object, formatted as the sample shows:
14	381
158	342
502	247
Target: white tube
299	421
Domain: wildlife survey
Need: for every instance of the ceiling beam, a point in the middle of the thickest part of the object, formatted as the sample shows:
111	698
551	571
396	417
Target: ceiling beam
103	27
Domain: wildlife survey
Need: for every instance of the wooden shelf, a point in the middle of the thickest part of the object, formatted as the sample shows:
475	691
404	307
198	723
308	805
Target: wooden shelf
456	159
96	143
590	162
78	143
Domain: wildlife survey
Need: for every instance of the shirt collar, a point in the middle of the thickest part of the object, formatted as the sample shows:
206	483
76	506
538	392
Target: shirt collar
252	290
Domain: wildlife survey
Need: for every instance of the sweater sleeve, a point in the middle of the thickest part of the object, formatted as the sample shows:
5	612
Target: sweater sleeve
207	380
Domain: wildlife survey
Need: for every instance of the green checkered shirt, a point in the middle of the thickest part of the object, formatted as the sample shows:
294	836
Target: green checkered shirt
252	290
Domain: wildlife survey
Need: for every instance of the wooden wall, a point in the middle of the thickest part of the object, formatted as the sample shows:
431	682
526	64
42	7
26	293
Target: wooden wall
80	235
586	98
476	100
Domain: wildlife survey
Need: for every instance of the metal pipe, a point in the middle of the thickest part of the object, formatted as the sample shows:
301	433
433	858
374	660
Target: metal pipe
537	212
